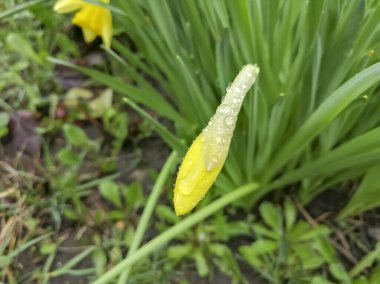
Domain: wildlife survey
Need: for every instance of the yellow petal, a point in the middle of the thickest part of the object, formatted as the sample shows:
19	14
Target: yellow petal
88	35
67	6
107	29
193	179
88	18
95	20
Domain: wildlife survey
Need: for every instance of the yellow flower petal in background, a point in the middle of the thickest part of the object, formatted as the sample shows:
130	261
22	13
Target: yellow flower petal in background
206	156
88	35
94	20
107	29
67	6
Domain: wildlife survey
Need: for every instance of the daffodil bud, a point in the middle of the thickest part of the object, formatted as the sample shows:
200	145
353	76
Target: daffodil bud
206	156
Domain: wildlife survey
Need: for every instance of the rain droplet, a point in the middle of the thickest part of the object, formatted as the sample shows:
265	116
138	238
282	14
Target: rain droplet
218	140
224	109
249	74
229	120
237	90
244	86
228	89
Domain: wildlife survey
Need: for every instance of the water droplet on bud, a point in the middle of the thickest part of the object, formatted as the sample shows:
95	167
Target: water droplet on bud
228	89
229	120
224	109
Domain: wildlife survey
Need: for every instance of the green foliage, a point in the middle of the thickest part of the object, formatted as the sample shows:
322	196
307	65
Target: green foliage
314	92
207	248
4	120
285	249
134	195
110	191
26	78
366	195
42	196
23	47
75	136
310	124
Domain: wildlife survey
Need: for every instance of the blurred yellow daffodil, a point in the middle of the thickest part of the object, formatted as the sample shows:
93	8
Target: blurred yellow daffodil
206	156
94	20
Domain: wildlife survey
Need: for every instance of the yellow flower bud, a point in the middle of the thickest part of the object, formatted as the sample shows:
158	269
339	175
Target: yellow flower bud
206	156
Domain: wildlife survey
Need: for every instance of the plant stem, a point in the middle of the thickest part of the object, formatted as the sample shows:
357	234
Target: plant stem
177	229
148	211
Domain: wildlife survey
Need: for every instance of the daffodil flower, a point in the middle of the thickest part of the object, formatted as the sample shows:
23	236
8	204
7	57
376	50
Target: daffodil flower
94	20
206	156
